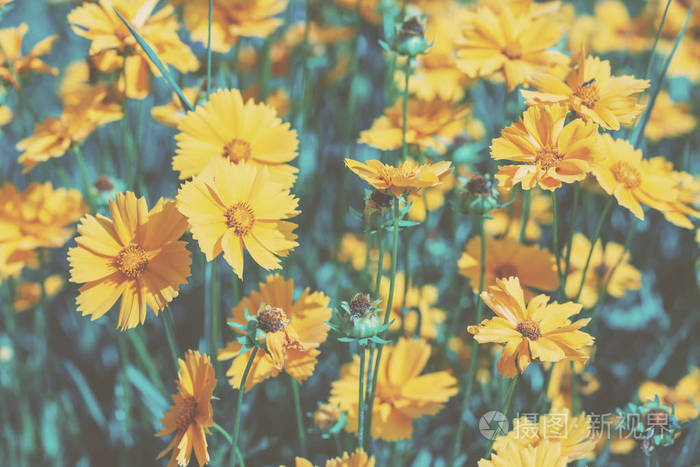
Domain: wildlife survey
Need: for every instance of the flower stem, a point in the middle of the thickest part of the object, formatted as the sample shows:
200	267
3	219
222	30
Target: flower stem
361	402
380	263
223	432
652	55
525	208
239	403
40	315
407	74
167	319
572	229
211	6
299	416
575	397
555	234
504	411
86	180
601	219
215	317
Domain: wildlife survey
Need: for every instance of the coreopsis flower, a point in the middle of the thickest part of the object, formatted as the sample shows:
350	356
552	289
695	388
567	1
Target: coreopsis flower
353	250
548	151
507	220
687	188
687	55
611	29
228	128
558	427
512	40
545	454
135	255
669	119
403	393
12	260
172	113
431	125
52	138
87	99
28	294
236	207
592	92
608	265
113	48
419	299
359	458
684	397
622	173
506	257
560	391
326	416
11	53
191	416
294	331
538	330
231	20
407	177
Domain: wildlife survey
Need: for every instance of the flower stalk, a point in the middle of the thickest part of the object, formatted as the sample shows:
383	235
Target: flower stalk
504	411
239	403
299	417
594	240
169	326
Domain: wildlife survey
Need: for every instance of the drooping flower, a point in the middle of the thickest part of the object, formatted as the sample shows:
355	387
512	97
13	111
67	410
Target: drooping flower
135	255
512	40
407	177
113	48
609	265
506	257
592	92
402	392
511	454
11	52
669	119
359	458
172	113
684	397
548	151
538	330
228	128
236	207
506	221
294	331
191	415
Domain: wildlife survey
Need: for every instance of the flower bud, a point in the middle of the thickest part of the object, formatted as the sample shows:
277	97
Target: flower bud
479	195
378	204
358	320
410	39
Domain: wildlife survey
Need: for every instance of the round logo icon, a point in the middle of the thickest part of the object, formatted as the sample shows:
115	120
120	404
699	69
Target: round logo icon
493	424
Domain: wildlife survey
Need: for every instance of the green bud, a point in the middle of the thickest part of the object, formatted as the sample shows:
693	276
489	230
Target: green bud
377	205
410	38
479	196
358	320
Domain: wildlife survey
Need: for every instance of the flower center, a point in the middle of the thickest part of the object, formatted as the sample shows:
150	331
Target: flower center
236	150
272	319
240	217
360	304
589	93
548	157
132	261
529	329
601	270
626	174
186	413
505	270
513	51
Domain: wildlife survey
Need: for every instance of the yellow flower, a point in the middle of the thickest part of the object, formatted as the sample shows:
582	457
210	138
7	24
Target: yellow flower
513	40
295	329
226	127
591	92
545	454
354	250
624	277
172	113
409	176
52	138
191	415
83	99
668	119
11	51
232	19
29	293
402	392
611	29
560	391
549	152
507	220
431	125
623	174
232	207
326	416
506	257
686	58
685	397
113	48
418	300
135	255
5	115
428	200
537	331
358	458
687	188
463	348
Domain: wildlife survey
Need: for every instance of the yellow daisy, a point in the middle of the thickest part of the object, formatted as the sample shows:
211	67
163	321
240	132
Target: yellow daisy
506	221
359	458
407	177
11	52
669	119
353	250
685	396
687	186
511	454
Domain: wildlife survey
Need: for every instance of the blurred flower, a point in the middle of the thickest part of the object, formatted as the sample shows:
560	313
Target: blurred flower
687	188
191	413
87	98
52	138
326	416
669	119
354	250
235	207
549	152
685	60
463	348
537	331
407	177
231	20
611	29
172	113
559	389
402	392
506	257
624	276
547	453
228	128
431	125
358	458
136	255
429	199
684	397
591	92
513	40
369	9
113	47
278	99
507	220
28	294
13	65
421	300
293	334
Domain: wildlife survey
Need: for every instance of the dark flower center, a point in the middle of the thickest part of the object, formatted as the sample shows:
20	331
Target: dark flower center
240	217
186	413
478	185
360	305
529	329
272	319
132	260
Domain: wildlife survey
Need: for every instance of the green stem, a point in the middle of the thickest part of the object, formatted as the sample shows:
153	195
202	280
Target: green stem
361	402
338	446
239	403
555	235
601	219
86	179
575	397
380	263
223	432
169	326
40	315
544	397
211	6
407	75
525	208
265	71
504	411
215	318
61	173
299	416
656	40
572	229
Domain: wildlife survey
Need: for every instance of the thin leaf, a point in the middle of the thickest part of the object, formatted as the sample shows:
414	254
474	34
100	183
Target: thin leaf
152	397
88	396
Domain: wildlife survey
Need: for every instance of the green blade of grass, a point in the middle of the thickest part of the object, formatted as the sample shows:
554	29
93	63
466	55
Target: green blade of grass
157	62
88	395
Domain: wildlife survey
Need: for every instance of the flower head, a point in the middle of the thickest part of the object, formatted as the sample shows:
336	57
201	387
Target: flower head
687	188
560	390
232	207
28	294
508	220
538	330
669	119
407	177
11	52
684	397
545	454
191	415
135	255
359	458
